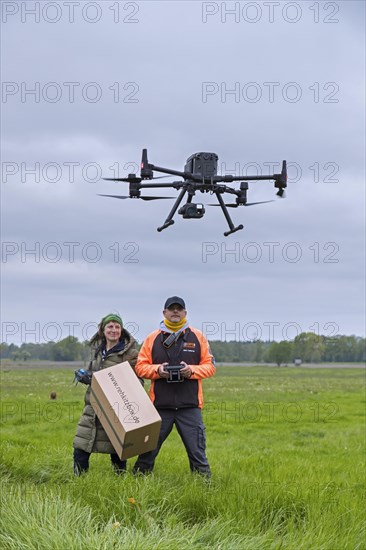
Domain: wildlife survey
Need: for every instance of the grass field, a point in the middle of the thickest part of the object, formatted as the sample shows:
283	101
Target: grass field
286	447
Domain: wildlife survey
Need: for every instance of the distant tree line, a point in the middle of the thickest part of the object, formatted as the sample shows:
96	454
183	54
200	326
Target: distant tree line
307	347
68	349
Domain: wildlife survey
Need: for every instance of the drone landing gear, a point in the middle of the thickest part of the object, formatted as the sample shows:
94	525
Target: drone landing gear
165	225
233	229
169	221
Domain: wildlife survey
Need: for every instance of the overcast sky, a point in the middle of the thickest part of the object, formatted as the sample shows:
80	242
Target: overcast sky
87	85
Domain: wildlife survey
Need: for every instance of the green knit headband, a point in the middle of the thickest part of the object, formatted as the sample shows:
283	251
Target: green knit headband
111	317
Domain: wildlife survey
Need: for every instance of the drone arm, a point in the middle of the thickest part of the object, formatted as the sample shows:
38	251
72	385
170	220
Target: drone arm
279	179
168	171
147	168
184	175
173	184
241	178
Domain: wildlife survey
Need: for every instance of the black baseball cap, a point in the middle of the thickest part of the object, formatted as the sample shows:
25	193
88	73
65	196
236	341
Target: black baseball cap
174	300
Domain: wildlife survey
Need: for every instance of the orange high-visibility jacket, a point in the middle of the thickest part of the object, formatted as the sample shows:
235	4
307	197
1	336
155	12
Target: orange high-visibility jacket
192	348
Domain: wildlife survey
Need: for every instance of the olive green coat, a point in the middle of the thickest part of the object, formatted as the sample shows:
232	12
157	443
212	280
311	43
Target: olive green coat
90	435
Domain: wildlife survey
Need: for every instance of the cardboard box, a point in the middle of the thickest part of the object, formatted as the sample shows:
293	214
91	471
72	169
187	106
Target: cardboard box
125	411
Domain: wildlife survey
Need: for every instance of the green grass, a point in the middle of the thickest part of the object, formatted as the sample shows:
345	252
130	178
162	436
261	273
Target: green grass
286	447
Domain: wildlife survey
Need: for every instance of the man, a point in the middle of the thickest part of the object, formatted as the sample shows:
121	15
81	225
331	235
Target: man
175	343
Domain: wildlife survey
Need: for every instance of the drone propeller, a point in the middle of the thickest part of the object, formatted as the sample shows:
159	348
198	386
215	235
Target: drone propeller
259	202
128	197
235	205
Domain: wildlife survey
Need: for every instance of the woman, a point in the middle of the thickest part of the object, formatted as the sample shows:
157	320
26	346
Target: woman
112	344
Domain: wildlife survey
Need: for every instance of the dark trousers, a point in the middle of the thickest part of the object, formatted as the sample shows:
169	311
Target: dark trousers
81	462
191	429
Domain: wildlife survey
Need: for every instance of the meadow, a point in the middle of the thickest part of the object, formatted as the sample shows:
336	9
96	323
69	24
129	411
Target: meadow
286	448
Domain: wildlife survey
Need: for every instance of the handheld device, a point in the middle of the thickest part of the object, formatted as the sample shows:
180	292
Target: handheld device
174	373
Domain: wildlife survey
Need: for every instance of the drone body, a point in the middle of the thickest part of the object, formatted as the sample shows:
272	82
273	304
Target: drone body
200	174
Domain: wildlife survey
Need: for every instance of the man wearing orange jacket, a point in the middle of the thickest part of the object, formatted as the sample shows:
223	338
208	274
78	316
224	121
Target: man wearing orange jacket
177	393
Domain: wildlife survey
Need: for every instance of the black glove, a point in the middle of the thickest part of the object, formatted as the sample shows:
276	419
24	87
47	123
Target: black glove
83	376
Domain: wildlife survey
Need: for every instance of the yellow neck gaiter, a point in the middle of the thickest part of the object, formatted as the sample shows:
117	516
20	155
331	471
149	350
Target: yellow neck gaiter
174	327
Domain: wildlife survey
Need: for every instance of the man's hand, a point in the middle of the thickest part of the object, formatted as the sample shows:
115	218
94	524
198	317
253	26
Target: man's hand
162	372
186	371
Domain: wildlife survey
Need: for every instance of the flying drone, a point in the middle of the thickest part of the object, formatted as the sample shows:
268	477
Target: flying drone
200	174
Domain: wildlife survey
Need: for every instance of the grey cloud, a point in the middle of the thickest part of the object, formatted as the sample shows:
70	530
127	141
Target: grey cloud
169	54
